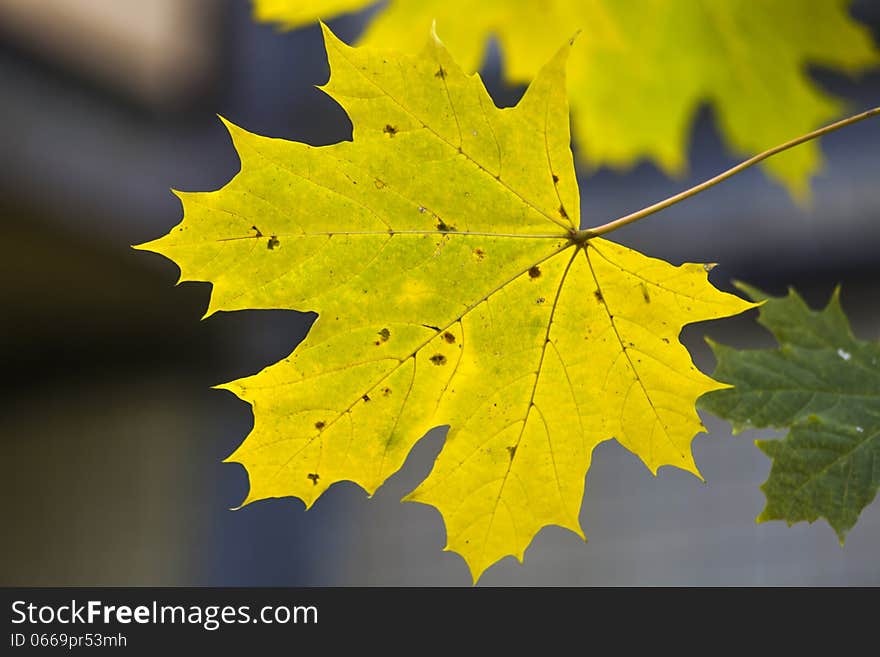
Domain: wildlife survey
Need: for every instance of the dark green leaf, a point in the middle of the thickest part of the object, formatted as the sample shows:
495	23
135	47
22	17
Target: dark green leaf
823	384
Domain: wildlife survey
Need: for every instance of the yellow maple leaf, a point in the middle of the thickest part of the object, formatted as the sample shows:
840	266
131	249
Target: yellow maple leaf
643	67
441	251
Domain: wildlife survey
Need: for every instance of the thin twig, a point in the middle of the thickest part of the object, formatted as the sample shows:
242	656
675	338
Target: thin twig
583	235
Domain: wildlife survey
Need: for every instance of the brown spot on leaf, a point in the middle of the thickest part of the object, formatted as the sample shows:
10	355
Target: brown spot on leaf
479	253
540	300
534	272
273	243
257	231
314	476
666	340
441	73
386	391
384	334
562	212
438	359
366	398
555	179
450	339
389	130
379	183
511	450
444	227
598	295
320	425
645	295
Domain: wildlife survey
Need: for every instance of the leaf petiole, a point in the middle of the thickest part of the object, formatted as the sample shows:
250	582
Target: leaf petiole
583	235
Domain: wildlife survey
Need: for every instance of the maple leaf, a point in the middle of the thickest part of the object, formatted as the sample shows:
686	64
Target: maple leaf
440	249
643	67
824	385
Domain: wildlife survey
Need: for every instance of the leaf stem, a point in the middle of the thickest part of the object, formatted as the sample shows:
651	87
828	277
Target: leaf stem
583	235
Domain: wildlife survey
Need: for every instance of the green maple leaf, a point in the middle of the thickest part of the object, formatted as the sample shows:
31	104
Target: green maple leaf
643	67
824	385
440	249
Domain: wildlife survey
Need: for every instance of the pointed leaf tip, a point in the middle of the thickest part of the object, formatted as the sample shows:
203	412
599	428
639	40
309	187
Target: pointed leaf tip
330	38
755	294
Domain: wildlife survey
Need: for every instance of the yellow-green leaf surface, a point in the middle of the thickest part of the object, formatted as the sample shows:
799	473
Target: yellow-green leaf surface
439	249
642	67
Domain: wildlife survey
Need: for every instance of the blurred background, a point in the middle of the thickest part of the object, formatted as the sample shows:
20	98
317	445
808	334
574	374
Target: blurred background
112	437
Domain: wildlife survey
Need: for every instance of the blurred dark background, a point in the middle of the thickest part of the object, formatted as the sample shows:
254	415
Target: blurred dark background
113	439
